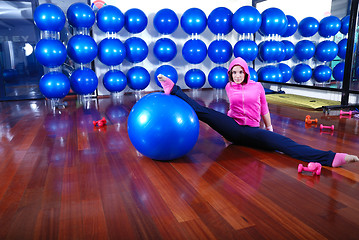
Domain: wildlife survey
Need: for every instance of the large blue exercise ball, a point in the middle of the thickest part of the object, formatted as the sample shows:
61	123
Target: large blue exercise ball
246	19
165	21
136	49
302	73
83	81
218	77
167	71
342	48
289	50
49	17
253	74
165	49
220	51
308	26
304	50
114	81
246	49
54	85
162	127
194	21
82	49
220	21
270	73
322	73
80	15
135	20
338	71
194	51
195	78
326	51
110	19
329	26
286	72
274	21
50	53
111	51
345	24
138	78
292	26
271	51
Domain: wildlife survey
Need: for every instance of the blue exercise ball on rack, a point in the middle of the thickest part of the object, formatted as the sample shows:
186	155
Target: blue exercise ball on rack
271	51
111	51
165	21
135	20
82	49
246	49
194	21
220	51
110	19
136	49
138	78
322	73
54	85
274	21
50	53
292	26
165	49
342	48
286	72
270	73
289	50
253	74
195	78
114	81
80	15
345	24
304	50
218	78
338	71
194	51
83	81
220	21
49	17
329	26
326	51
308	26
167	71
302	73
246	19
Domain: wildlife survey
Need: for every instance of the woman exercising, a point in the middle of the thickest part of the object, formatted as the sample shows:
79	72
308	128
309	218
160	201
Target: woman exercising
241	124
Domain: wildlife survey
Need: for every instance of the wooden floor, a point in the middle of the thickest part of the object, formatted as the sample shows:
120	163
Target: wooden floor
61	178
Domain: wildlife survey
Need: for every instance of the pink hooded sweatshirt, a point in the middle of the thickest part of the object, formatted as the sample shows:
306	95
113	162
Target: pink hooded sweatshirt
247	100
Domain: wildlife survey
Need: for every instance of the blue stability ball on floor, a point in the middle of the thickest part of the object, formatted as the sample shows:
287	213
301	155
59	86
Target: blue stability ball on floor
111	51
220	51
49	17
304	50
110	19
167	71
138	78
270	73
80	15
246	49
82	49
338	71
83	81
194	21
136	49
286	72
220	21
54	85
50	53
165	49
195	78
162	127
253	74
246	19
302	73
218	77
194	51
322	73
135	20
114	81
165	21
308	27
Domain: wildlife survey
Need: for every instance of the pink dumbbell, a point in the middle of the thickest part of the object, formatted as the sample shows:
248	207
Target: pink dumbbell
345	113
326	127
314	167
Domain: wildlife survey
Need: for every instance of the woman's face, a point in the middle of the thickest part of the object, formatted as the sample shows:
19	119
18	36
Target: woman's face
238	74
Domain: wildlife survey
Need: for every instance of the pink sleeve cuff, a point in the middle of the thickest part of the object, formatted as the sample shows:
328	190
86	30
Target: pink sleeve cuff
339	159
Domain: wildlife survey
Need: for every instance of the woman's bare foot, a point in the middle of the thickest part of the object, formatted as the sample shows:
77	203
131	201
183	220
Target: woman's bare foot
351	158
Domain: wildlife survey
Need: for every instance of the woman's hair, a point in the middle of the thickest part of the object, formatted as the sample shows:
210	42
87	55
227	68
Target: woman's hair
230	78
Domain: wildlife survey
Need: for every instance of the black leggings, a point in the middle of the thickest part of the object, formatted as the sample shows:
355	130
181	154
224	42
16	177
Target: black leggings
254	136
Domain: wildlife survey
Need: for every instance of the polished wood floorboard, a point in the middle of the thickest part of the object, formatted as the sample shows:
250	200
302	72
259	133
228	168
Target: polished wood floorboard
63	178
